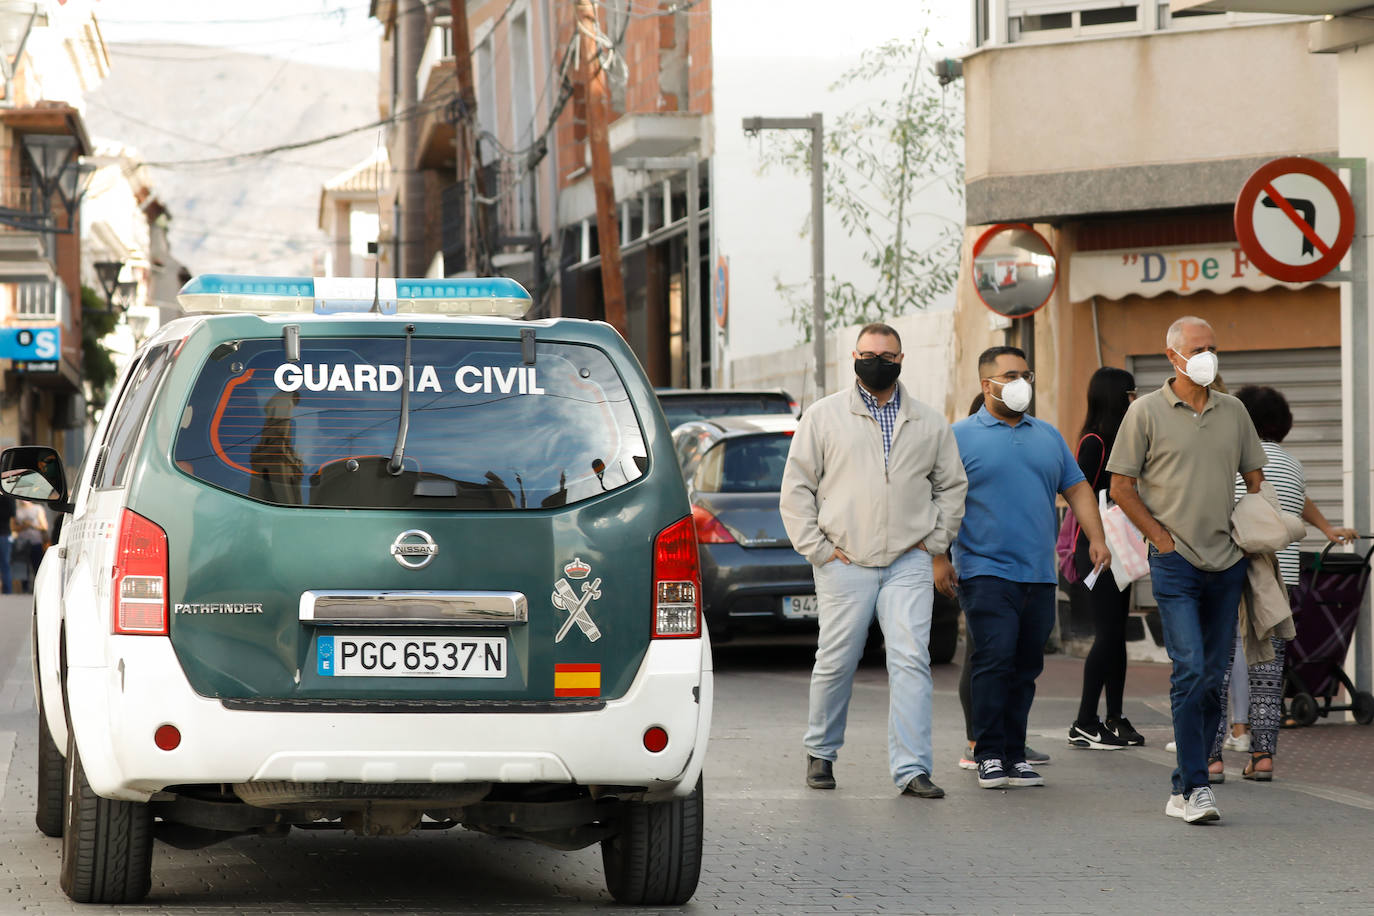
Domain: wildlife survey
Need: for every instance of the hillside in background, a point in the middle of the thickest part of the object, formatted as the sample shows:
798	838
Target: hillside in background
174	103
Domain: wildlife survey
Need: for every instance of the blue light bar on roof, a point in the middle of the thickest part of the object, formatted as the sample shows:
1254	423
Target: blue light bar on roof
479	296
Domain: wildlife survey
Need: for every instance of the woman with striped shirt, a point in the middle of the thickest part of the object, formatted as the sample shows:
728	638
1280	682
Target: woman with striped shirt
1269	410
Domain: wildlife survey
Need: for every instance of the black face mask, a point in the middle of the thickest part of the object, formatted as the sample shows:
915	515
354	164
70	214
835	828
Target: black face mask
876	373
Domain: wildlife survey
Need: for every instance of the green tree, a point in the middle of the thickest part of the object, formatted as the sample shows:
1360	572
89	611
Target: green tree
880	158
96	364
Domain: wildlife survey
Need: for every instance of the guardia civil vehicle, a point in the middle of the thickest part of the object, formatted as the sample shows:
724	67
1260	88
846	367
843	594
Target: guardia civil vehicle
375	555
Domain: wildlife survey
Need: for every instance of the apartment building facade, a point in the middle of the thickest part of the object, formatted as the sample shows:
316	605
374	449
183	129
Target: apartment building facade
53	55
1124	132
524	205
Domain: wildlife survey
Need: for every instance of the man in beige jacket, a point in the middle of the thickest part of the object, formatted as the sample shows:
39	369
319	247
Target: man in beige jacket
873	490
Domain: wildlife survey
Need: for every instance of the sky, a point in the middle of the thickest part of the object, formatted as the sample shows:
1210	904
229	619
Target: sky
339	32
335	33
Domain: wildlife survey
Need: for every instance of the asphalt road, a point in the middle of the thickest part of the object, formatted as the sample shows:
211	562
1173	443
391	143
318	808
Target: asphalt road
1094	840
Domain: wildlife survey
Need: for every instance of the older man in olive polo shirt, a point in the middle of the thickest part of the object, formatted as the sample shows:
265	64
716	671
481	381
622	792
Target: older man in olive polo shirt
1174	464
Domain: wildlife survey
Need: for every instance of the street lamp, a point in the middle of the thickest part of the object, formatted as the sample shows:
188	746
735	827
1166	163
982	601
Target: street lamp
73	184
57	170
108	272
50	155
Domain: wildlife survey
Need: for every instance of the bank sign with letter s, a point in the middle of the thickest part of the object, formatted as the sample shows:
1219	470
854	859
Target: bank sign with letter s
39	344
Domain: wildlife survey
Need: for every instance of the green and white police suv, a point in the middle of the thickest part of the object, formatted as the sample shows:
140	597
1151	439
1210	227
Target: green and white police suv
371	554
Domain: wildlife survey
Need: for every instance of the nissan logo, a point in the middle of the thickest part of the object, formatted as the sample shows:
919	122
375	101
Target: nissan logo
414	549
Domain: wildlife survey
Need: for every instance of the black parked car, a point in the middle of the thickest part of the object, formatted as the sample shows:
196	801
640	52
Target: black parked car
681	405
752	579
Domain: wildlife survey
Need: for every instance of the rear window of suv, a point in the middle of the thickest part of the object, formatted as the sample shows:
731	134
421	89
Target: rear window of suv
486	431
744	464
682	408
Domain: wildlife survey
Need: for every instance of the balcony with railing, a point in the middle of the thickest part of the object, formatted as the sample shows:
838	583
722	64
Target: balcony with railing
512	213
436	79
26	249
436	63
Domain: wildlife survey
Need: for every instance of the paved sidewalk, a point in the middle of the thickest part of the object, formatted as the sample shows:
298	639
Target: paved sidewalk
1330	756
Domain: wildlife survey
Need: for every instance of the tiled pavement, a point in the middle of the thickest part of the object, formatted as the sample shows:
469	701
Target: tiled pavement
1093	840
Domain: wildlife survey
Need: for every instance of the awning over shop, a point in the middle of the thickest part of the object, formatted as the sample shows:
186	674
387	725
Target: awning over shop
1181	270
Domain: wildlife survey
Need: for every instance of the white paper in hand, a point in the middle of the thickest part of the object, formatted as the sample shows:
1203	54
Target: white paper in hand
1091	578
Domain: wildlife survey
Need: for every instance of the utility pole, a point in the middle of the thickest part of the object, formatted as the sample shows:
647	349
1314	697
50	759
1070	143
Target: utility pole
410	28
465	145
592	85
692	165
816	125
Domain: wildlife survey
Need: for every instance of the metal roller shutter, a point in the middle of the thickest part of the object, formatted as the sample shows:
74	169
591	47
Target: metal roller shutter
1311	381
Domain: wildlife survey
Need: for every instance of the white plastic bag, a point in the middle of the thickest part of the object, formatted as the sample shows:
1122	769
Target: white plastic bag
1130	554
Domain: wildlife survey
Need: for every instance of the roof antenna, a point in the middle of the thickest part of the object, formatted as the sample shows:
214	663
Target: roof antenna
372	249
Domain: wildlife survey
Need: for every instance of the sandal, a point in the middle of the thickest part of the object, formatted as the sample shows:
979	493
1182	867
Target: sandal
1255	773
1219	776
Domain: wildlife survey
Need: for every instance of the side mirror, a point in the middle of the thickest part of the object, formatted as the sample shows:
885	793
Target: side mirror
34	472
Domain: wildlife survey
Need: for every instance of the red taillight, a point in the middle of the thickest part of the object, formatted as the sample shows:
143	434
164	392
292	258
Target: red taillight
709	529
677	582
140	578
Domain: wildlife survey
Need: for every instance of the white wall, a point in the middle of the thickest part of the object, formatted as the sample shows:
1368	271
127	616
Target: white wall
779	61
927	341
1148	98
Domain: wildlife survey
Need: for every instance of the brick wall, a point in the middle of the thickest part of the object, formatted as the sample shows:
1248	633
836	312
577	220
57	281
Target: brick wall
668	59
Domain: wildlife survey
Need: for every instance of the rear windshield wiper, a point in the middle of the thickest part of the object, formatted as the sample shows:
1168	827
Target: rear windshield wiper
397	461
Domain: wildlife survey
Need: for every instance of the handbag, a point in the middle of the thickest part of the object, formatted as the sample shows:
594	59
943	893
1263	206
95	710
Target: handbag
1130	555
1067	542
1259	525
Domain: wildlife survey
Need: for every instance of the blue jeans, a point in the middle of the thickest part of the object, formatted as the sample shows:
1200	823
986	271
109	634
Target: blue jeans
1197	610
6	577
1010	622
901	595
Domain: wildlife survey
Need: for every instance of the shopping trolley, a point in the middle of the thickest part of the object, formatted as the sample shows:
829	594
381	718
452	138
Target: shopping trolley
1326	606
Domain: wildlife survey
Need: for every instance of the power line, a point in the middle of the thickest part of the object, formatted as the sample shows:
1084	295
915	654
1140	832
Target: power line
418	111
124	116
196	52
338	11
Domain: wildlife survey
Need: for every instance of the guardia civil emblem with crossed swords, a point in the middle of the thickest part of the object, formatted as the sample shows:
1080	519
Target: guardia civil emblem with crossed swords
566	598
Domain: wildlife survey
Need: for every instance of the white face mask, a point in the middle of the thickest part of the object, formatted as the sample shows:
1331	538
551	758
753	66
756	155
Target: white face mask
1016	395
1200	367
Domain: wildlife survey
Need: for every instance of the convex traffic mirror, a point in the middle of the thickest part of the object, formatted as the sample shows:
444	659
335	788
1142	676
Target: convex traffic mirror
1014	269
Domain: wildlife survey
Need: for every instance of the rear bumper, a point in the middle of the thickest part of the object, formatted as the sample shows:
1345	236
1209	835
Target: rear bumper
115	711
744	586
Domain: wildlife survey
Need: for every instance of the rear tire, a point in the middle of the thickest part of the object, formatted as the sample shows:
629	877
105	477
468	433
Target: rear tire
107	845
1303	709
48	814
52	772
655	859
1363	703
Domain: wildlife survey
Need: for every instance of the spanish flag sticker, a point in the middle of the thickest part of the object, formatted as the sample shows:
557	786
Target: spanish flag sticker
577	680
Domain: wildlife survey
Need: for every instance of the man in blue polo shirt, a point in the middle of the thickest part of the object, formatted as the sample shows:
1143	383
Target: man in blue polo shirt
1004	557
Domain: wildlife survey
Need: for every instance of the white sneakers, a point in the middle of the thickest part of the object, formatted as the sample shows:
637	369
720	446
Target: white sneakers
1197	808
1237	742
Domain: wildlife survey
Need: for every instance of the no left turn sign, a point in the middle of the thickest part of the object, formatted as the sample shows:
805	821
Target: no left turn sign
1294	219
